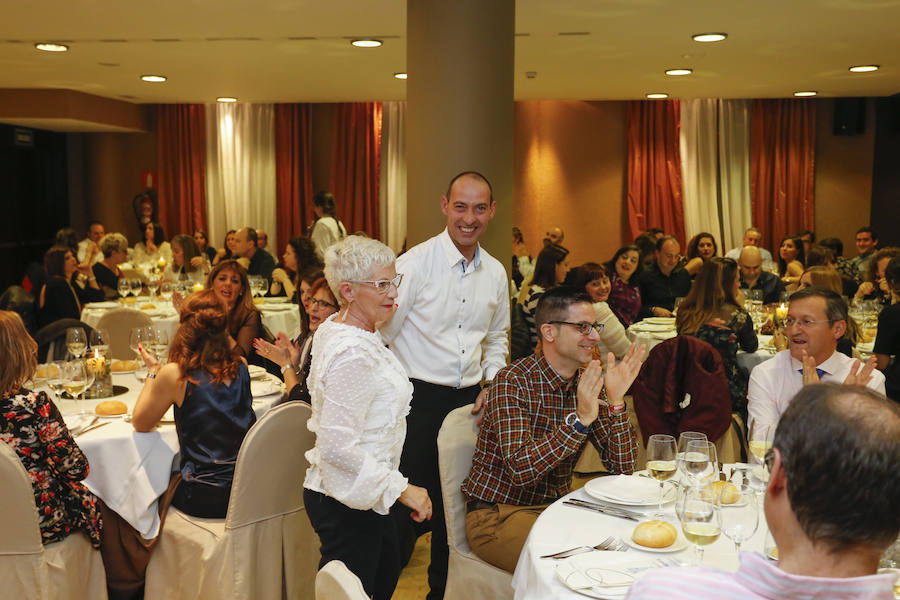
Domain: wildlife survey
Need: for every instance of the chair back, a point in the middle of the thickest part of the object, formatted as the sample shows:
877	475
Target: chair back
20	531
134	274
17	299
336	582
51	338
119	322
456	446
268	477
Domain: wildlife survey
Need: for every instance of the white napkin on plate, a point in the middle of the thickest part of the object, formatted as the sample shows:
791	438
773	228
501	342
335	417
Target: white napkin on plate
625	488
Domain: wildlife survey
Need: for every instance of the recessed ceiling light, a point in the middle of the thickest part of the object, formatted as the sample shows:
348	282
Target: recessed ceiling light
51	47
803	94
657	96
226	99
366	43
153	78
679	71
709	37
401	76
864	68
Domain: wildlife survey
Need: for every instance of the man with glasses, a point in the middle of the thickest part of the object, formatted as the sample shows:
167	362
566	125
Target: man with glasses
450	332
816	320
540	413
663	280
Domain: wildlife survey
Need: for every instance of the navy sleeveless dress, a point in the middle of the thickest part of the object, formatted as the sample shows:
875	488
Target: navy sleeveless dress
211	424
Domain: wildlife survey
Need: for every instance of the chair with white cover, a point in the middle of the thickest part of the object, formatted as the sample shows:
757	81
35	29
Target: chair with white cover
70	568
336	582
468	576
119	322
265	547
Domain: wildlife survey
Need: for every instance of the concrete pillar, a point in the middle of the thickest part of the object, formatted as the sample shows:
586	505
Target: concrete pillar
460	59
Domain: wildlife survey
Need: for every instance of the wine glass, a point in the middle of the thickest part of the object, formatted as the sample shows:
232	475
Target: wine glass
56	377
760	443
153	286
701	462
700	517
123	287
136	287
165	290
683	439
159	343
77	379
740	517
100	341
139	337
76	341
661	451
263	286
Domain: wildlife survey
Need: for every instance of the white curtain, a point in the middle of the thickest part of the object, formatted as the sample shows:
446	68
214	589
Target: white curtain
734	174
393	174
700	168
240	169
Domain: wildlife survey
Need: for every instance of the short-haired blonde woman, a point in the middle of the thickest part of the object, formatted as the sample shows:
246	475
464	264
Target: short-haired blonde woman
114	247
360	397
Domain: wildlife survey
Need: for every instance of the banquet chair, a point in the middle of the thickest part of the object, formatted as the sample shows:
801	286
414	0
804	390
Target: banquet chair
265	547
119	322
70	568
468	576
336	582
51	338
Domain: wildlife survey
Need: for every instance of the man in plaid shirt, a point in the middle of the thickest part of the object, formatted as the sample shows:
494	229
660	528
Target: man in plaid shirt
541	411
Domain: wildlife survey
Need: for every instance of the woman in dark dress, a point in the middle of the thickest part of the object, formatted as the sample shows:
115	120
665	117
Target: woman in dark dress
712	312
61	297
114	247
625	296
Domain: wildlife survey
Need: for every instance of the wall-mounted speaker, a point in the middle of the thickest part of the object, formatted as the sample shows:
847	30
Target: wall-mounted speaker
849	116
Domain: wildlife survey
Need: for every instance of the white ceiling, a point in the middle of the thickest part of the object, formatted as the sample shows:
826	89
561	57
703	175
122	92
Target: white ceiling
298	50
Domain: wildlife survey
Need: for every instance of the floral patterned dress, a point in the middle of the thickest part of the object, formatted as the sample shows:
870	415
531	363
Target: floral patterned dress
33	427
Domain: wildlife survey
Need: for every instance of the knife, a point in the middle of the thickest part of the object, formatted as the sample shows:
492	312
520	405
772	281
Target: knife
605	510
91	428
604	506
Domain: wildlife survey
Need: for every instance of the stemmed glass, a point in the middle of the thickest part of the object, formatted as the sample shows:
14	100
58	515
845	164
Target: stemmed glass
165	290
100	341
700	517
701	462
661	451
159	343
136	287
760	443
739	518
683	439
56	377
153	286
76	341
123	287
77	379
140	336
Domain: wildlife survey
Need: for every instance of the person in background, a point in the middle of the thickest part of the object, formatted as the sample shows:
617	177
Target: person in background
188	264
701	248
887	340
808	238
663	281
866	244
753	277
202	241
646	244
821	256
298	260
228	280
114	247
871	288
554	236
262	240
712	311
843	265
89	251
326	229
226	252
625	293
249	255
360	397
827	278
835	448
593	279
153	247
752	237
60	297
550	269
522	267
791	260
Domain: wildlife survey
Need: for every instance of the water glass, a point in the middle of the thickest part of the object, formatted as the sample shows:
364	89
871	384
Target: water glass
701	462
661	455
76	341
740	517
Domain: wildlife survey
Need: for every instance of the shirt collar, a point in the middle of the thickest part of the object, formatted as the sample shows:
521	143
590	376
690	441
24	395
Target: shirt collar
829	365
554	379
453	255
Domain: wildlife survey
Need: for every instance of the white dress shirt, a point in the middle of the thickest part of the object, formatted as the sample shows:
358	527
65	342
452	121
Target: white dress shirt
360	398
325	232
452	322
773	383
613	338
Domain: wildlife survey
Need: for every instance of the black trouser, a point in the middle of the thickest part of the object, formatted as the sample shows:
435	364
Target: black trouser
430	405
362	539
201	499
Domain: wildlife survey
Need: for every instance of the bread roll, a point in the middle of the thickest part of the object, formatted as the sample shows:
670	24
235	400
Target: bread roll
111	407
724	491
123	365
148	307
655	534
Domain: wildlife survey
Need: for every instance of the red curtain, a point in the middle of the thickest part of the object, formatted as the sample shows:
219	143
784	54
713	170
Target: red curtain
782	160
356	164
181	161
293	172
654	168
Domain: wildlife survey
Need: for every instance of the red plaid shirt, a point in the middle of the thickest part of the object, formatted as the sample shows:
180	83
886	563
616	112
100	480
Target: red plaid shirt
525	451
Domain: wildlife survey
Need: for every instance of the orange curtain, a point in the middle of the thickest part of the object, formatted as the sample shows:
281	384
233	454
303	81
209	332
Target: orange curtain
654	168
782	161
293	174
181	161
356	164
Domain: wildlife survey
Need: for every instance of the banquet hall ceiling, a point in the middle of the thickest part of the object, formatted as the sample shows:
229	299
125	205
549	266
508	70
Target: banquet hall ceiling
299	50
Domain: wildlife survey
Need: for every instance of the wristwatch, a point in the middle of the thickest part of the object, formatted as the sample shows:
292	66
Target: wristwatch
572	420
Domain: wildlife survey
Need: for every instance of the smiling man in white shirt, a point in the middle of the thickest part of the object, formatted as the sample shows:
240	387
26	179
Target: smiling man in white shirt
816	320
450	333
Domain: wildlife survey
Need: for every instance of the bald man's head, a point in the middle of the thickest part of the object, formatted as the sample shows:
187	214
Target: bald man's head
750	263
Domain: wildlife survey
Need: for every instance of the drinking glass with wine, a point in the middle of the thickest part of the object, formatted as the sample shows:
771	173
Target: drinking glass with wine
700	517
683	439
661	455
76	341
760	443
77	379
701	462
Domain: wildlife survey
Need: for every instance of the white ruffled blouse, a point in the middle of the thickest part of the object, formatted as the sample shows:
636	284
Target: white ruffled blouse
360	398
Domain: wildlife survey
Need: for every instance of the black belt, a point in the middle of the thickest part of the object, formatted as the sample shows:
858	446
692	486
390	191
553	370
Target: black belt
473	505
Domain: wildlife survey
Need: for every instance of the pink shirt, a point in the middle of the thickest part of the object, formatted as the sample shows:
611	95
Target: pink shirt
756	578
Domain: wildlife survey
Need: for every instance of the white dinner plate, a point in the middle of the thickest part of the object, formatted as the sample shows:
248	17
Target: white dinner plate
679	545
628	490
102	305
258	389
655	327
256	371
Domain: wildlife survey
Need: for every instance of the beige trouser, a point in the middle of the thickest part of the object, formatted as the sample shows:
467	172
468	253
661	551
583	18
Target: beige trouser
498	534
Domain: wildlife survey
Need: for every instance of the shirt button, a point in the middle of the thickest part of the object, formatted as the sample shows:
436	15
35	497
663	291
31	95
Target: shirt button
464	351
459	326
464	300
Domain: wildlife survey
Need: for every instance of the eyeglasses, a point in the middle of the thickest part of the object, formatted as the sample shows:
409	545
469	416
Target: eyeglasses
322	304
383	286
583	327
804	323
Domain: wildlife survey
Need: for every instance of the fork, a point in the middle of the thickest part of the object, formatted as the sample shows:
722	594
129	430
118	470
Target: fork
604	545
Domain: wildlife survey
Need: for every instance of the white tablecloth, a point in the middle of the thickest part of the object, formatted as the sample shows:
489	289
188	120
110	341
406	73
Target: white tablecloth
561	527
129	470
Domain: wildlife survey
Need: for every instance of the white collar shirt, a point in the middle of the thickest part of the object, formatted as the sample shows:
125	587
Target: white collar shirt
451	325
775	382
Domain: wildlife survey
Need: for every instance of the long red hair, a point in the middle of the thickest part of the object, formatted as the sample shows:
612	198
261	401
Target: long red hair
201	341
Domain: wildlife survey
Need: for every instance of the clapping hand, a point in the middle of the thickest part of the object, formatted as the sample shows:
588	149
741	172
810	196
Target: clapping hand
619	377
810	375
861	377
